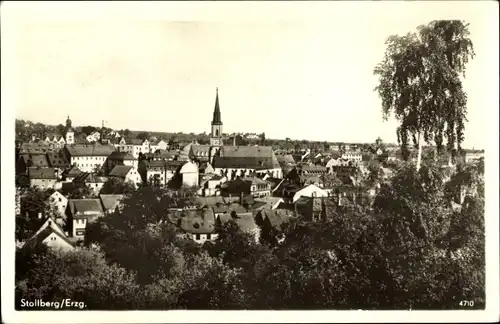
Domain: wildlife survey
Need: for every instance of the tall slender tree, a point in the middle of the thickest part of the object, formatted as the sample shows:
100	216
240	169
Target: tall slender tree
420	82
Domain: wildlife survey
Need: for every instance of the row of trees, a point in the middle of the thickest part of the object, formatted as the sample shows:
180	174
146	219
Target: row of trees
412	250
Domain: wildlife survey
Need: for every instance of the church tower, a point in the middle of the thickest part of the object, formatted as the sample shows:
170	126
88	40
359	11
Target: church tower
216	134
70	135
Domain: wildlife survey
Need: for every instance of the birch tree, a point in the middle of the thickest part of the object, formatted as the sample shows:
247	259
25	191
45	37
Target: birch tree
420	82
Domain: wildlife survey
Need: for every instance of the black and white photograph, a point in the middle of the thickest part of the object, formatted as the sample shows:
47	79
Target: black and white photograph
302	161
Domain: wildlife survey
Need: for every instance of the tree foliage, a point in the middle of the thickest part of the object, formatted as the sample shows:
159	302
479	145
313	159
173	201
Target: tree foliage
116	186
420	83
413	250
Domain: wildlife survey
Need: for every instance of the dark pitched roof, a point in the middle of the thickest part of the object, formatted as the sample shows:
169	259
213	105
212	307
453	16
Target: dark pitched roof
110	202
73	171
57	160
89	150
85	207
162	164
198	221
120	171
37	160
246	157
116	155
89	178
42	173
276	217
37	147
38	239
245	221
213	201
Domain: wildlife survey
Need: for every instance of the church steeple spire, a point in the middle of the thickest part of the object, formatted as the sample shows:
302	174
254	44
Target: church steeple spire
216	118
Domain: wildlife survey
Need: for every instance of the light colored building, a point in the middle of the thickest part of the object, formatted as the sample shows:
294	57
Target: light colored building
310	191
91	181
52	236
136	146
126	173
352	156
43	178
58	203
162	145
471	156
88	157
190	174
211	186
81	212
159	172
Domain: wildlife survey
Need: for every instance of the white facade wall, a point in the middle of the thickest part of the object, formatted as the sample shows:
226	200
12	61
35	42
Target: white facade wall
88	163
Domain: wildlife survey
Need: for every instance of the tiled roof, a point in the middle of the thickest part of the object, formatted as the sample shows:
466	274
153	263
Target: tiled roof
246	157
57	160
35	240
169	165
89	150
37	160
276	217
254	180
120	171
88	177
200	149
213	201
245	221
37	147
73	171
85	207
116	155
41	173
286	159
198	221
110	202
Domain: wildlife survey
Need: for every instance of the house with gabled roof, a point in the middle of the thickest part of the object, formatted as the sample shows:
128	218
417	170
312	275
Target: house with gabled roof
119	158
43	178
126	173
91	181
51	235
111	203
80	212
70	174
88	157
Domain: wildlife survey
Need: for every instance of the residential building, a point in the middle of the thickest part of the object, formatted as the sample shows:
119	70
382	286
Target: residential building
352	156
28	160
135	146
198	225
314	208
91	181
310	191
244	221
52	236
58	203
93	137
162	145
473	155
190	174
247	186
58	160
126	173
210	185
88	157
43	178
120	158
81	212
70	174
159	172
271	203
111	203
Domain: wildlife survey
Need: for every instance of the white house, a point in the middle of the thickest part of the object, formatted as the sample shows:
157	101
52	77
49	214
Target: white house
310	191
352	156
190	174
58	203
88	157
126	173
51	235
162	145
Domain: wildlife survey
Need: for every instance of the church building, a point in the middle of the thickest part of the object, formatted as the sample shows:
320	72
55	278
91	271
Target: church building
231	160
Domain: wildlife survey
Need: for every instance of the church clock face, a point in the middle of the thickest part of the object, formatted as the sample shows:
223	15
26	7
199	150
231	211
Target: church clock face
215	142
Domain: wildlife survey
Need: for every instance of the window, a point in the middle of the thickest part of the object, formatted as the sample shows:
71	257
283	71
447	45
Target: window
197	236
208	236
60	199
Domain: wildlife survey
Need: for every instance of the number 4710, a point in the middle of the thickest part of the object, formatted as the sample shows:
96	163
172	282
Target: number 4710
466	303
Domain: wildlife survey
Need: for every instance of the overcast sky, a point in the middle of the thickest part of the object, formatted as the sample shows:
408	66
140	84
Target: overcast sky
298	70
